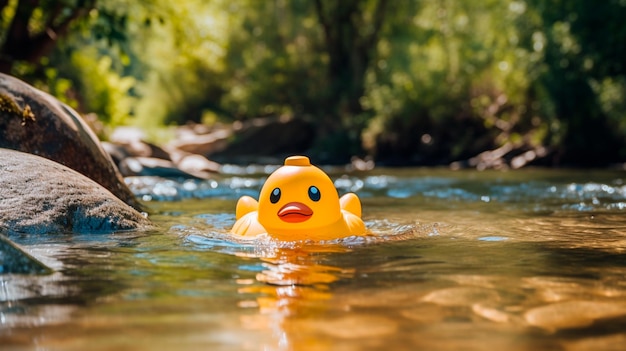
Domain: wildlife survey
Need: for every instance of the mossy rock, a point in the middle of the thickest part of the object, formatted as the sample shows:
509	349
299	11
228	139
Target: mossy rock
35	122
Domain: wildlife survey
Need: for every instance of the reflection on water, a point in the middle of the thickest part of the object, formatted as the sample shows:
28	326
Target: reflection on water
459	260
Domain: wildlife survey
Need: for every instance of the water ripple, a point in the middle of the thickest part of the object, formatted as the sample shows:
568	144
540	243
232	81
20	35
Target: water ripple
534	195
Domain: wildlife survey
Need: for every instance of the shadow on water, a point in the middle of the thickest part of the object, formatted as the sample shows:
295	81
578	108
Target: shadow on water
472	261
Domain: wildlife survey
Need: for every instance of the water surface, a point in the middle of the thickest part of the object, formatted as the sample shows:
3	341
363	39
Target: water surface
525	260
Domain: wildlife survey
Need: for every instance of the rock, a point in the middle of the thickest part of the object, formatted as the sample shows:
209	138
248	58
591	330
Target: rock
140	148
152	167
275	137
203	144
138	157
146	149
198	166
573	314
350	327
492	314
39	196
135	157
14	260
35	122
124	135
462	296
117	152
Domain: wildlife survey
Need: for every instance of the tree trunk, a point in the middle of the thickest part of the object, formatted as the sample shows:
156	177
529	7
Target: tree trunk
20	44
349	50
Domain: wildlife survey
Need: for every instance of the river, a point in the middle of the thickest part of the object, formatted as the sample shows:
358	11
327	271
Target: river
459	260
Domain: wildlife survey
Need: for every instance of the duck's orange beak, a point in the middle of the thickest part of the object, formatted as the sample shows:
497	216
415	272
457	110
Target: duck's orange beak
295	212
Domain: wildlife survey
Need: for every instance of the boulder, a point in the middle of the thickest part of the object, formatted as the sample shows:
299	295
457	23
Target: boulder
39	196
35	122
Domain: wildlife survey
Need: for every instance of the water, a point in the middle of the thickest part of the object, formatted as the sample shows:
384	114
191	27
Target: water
525	260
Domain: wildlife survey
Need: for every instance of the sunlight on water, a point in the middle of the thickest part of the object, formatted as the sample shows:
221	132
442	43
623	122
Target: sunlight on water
535	194
456	260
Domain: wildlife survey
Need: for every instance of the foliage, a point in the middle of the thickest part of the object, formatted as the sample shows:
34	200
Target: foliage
583	76
102	89
490	83
184	65
80	72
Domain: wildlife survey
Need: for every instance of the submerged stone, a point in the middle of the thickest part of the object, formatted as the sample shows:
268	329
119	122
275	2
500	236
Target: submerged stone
14	260
573	314
351	327
462	296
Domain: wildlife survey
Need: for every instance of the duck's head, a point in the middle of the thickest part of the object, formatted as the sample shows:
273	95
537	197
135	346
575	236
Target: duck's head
298	197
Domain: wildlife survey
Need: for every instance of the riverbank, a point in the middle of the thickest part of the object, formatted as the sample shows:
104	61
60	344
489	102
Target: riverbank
199	151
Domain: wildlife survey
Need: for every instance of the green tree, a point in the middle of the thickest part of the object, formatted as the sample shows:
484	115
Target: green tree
583	84
80	50
351	30
307	60
495	83
182	60
32	28
449	83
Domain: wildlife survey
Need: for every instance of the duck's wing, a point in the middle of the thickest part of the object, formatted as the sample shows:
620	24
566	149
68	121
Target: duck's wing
248	226
355	223
350	202
245	205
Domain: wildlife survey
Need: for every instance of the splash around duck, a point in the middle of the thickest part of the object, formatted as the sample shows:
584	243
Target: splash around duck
299	202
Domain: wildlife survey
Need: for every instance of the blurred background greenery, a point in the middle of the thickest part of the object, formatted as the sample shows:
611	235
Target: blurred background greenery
407	82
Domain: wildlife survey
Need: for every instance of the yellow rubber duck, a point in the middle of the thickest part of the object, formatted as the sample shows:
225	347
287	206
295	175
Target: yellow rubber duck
299	202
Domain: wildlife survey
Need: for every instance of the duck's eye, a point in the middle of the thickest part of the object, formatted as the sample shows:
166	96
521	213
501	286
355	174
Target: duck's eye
275	195
314	193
